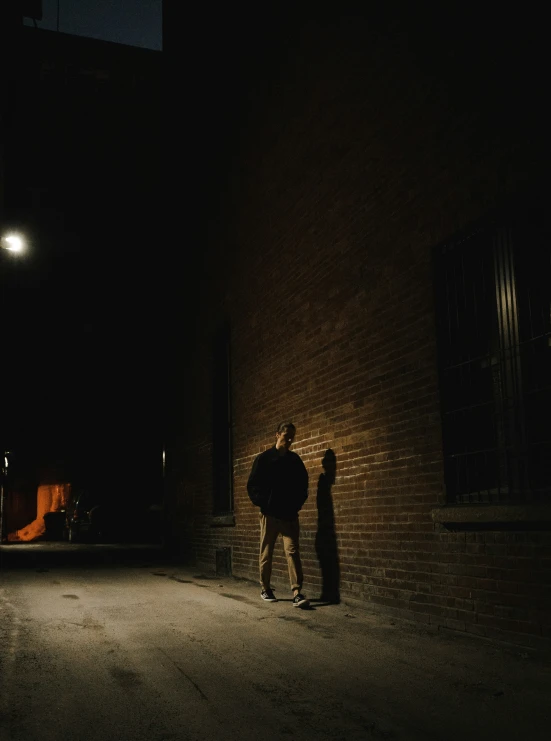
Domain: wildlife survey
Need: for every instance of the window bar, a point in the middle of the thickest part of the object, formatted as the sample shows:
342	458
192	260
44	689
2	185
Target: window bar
509	368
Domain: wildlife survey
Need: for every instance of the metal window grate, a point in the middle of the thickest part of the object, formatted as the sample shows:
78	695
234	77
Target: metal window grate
493	313
223	561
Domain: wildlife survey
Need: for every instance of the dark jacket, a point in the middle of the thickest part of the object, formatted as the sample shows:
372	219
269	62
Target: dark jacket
278	484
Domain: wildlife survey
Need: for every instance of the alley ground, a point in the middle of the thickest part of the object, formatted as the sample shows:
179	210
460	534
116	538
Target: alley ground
119	643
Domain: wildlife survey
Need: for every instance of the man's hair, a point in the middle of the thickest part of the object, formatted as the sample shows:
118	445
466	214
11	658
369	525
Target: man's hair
286	426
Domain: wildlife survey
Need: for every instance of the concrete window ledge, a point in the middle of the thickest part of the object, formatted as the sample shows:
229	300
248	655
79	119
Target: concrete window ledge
494	516
223	521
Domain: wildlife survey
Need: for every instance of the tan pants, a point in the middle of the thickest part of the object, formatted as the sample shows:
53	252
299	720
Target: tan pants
270	529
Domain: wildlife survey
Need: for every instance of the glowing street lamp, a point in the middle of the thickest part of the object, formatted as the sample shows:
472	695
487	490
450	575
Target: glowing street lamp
16	244
12	242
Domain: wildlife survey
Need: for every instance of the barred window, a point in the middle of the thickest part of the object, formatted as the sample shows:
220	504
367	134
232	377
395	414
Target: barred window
493	315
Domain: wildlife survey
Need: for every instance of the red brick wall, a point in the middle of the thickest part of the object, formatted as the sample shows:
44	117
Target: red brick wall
358	161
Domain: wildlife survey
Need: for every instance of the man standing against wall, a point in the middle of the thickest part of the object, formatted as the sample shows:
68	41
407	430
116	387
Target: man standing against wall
278	484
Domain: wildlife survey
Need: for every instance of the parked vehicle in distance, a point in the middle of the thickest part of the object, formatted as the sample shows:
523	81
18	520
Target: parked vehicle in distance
96	515
84	516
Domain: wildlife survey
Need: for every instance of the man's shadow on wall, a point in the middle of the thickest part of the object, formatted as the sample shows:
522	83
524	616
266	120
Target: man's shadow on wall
326	538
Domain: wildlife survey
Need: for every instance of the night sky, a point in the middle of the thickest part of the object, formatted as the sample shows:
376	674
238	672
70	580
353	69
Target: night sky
133	22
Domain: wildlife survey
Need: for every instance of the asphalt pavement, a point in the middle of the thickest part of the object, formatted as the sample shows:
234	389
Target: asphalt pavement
107	642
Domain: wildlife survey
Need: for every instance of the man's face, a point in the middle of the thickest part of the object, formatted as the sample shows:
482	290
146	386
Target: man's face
284	439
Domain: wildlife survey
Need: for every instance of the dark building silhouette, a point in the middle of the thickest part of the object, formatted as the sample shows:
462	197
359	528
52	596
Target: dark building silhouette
81	174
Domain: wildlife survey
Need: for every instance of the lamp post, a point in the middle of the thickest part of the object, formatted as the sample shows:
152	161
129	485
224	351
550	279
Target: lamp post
16	244
3	479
